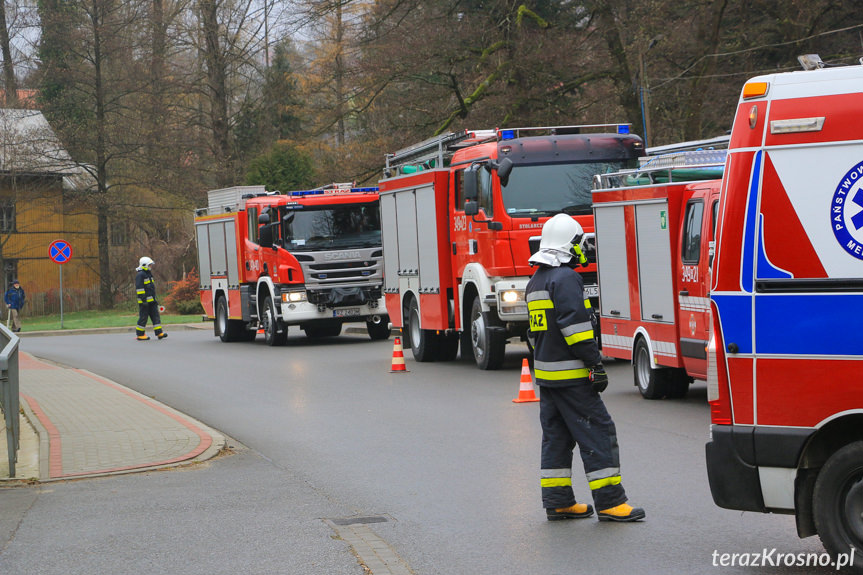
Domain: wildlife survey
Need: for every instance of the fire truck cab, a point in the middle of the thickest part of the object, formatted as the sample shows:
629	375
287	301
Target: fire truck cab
654	241
785	370
462	213
310	258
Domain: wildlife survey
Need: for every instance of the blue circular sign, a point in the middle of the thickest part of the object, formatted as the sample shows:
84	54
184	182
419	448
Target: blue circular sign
60	251
846	212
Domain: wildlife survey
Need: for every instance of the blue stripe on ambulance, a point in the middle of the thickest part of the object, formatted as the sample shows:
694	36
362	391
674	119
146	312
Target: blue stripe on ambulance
735	315
807	324
747	269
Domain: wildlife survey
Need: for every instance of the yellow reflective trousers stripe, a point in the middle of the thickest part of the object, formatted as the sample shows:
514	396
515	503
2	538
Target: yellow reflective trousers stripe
600	483
556	482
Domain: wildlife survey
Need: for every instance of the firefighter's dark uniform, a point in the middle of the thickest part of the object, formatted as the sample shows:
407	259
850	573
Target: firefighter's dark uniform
145	288
571	412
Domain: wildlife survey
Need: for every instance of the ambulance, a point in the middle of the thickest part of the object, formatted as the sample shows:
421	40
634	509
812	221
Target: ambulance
785	359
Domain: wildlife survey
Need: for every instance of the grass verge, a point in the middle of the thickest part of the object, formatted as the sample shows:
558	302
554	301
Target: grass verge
95	319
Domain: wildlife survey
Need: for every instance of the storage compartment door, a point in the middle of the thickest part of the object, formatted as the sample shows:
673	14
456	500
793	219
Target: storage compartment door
611	262
407	234
218	259
654	262
203	254
389	231
428	248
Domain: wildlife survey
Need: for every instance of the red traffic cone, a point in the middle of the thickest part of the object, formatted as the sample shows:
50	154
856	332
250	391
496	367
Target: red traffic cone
398	357
525	389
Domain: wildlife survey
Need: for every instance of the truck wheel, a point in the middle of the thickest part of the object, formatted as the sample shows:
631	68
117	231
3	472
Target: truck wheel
448	347
678	382
837	502
487	341
229	329
651	382
424	342
272	324
380	330
323	328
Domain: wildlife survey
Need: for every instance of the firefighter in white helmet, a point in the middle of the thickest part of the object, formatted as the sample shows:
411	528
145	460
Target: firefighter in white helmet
568	369
148	307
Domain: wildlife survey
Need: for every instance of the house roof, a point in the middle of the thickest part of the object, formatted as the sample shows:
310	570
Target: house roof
28	145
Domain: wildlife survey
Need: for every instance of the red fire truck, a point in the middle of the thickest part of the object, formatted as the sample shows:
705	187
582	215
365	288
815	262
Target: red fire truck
462	213
785	371
310	258
654	236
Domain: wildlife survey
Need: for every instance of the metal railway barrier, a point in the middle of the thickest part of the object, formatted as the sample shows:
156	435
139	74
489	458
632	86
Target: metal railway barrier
9	401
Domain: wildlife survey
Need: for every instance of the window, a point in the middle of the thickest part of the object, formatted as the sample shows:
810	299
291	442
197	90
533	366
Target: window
10	271
459	194
7	216
252	214
119	233
692	232
715	218
486	196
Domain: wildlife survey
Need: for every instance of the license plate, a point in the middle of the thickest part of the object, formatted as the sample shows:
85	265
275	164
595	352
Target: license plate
346	312
591	291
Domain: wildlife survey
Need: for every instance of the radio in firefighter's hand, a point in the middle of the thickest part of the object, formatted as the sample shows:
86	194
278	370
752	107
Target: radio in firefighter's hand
598	378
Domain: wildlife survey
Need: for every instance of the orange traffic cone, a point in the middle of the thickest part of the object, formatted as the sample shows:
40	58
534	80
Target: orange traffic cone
525	390
398	357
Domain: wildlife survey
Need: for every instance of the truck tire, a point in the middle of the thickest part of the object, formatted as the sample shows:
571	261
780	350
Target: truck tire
652	383
323	328
425	343
380	330
488	342
228	329
837	502
448	347
678	382
272	324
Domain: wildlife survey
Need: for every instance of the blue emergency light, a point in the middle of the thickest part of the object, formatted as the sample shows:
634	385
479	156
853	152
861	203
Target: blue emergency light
507	134
623	128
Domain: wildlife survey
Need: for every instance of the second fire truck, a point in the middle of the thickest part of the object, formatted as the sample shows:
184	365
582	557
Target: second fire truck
309	258
461	214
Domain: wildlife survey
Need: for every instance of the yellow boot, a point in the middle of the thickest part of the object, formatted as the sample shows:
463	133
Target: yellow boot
622	512
576	511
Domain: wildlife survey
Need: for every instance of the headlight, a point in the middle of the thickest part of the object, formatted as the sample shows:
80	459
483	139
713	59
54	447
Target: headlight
294	296
511	296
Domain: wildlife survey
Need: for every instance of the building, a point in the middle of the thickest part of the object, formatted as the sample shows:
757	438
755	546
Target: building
42	199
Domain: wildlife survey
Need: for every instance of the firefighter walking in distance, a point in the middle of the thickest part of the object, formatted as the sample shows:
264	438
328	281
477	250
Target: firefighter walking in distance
568	369
148	307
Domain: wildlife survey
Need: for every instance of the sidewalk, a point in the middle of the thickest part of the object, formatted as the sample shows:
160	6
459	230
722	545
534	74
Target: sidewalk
86	425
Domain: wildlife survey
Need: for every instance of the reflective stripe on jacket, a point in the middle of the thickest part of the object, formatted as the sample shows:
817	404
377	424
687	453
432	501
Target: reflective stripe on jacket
145	286
560	327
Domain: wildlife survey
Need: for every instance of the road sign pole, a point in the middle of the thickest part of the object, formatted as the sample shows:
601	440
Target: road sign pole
61	297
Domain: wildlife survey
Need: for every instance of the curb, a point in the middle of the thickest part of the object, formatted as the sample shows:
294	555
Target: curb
124	329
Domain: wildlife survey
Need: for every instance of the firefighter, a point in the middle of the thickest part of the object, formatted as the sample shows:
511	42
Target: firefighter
568	369
148	307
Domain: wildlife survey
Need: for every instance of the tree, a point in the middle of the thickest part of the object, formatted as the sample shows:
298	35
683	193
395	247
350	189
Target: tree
283	168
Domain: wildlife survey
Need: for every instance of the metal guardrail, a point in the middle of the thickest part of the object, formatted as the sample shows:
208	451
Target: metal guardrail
9	401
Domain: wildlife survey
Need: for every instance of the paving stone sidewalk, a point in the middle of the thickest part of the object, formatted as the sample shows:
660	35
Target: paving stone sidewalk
87	425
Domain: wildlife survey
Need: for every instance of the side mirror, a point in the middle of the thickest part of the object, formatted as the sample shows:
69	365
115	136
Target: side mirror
265	233
504	167
264	218
471	208
471	185
289	217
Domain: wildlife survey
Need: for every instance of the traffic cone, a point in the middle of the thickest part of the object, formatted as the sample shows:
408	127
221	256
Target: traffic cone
525	390
398	357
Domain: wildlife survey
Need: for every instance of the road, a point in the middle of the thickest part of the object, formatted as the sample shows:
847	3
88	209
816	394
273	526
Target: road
441	456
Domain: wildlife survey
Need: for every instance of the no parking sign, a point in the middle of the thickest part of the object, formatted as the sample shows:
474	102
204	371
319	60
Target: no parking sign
60	252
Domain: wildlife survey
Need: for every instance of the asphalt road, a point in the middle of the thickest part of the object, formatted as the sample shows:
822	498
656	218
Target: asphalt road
441	455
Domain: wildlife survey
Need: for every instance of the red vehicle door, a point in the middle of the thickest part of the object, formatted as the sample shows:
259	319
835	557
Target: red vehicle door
694	279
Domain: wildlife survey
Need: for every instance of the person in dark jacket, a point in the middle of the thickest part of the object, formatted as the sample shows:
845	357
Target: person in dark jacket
148	307
14	299
569	372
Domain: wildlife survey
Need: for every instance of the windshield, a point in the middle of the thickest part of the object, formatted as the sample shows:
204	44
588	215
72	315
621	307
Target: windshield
332	227
547	189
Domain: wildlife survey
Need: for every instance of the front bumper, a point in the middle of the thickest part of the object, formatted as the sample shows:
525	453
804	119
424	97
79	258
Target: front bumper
301	312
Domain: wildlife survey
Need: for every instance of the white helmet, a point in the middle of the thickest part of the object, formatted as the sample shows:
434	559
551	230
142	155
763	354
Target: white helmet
561	233
145	262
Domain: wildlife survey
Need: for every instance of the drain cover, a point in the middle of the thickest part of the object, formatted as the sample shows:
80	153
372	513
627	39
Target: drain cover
360	520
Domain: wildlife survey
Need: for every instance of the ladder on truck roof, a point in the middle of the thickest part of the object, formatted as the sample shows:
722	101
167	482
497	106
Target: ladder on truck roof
687	166
434	152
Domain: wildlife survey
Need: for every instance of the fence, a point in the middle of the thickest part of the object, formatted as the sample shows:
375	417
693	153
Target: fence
9	393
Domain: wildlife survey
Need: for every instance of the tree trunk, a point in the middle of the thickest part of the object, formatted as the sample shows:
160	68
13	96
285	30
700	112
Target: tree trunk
217	92
11	86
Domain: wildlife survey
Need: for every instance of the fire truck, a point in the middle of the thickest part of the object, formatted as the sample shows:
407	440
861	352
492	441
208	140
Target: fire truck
462	213
654	239
310	258
785	360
